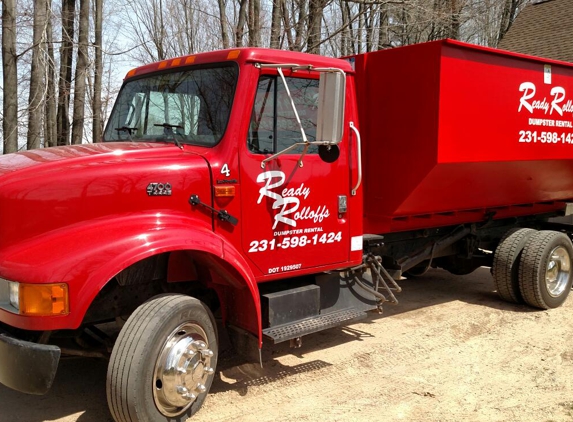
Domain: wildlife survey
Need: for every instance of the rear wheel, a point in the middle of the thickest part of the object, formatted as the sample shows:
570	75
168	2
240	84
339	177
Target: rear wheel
545	270
505	269
163	362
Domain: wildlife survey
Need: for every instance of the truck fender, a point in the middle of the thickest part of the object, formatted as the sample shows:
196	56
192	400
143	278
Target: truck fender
88	255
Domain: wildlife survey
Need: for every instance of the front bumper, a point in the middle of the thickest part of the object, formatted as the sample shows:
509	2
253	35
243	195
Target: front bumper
27	367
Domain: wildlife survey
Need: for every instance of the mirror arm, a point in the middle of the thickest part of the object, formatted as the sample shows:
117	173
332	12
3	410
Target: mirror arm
272	157
303	154
306	145
304	139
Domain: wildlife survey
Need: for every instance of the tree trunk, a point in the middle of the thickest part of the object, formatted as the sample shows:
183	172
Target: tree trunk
223	20
81	74
315	9
455	24
65	81
302	17
10	77
37	76
383	38
240	29
436	25
345	33
50	133
275	24
369	18
360	29
351	33
254	24
287	24
97	128
404	26
508	16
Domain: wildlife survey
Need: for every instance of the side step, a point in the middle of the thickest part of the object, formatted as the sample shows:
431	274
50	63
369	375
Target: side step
312	325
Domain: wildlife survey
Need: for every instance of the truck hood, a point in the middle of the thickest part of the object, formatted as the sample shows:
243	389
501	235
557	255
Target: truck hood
46	189
12	163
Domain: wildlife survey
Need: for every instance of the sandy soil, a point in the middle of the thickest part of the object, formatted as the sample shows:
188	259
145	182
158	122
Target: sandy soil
451	351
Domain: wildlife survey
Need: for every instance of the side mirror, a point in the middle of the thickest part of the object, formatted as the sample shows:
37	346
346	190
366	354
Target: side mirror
331	94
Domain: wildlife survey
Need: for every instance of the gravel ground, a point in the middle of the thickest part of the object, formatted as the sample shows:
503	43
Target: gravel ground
450	351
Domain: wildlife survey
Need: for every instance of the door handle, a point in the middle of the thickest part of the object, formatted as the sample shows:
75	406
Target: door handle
359	152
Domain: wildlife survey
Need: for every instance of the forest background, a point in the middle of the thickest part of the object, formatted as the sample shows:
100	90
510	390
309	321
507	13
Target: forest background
63	61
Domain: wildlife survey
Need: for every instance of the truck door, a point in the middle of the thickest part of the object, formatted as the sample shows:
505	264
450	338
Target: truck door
294	215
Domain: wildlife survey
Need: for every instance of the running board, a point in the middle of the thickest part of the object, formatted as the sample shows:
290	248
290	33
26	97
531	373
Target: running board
313	325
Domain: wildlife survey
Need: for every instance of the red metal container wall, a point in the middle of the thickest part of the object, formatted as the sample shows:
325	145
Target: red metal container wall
445	127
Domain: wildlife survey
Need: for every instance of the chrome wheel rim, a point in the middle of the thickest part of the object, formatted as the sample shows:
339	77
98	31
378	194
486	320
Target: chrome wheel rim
558	271
182	369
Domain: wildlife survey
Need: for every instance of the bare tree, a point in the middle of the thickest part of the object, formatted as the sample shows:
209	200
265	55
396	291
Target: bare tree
81	74
10	77
223	20
97	127
510	10
383	22
275	24
50	104
295	17
65	79
254	23
160	29
37	76
315	10
240	28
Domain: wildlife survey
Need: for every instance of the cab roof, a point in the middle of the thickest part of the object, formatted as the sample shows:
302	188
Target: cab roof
242	56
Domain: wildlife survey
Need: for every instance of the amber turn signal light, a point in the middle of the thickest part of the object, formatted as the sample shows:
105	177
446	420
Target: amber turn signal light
44	299
224	191
233	54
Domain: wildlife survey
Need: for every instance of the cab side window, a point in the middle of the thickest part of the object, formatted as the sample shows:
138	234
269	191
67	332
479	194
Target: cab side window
273	125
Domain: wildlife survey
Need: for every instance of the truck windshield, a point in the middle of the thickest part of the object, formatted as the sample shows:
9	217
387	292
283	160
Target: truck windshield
190	106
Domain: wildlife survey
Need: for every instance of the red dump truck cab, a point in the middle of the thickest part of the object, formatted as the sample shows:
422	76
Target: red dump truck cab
277	194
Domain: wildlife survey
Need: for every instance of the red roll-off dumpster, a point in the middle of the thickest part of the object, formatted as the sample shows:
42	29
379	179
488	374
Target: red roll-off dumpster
455	133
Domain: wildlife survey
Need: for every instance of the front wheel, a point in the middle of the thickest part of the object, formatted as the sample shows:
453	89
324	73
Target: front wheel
163	362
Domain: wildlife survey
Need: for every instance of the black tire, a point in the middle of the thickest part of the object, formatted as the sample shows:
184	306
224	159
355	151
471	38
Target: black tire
505	269
136	389
544	251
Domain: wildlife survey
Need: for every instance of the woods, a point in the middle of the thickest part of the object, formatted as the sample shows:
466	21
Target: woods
63	61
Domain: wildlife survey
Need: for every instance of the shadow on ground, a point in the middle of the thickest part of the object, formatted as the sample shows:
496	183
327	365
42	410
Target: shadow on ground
78	392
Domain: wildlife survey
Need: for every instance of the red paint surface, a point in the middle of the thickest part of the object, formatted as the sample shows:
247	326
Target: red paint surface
442	130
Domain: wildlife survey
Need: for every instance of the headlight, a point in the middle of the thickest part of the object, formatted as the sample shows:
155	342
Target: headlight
14	294
34	299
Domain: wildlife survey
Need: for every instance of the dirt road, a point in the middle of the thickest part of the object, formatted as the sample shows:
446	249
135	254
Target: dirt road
451	351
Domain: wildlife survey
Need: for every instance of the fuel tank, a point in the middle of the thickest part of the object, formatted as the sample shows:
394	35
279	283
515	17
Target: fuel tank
454	133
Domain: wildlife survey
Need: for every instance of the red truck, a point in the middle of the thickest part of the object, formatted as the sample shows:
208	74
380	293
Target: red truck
285	193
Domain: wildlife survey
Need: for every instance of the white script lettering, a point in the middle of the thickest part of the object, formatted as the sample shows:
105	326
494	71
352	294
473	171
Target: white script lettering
289	201
559	103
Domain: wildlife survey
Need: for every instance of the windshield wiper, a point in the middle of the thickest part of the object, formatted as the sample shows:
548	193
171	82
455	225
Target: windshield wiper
128	130
168	130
